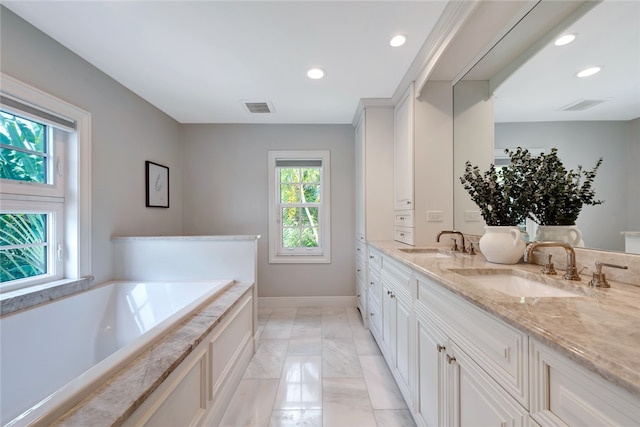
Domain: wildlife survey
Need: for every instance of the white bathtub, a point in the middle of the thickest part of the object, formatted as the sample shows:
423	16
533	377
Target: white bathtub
54	354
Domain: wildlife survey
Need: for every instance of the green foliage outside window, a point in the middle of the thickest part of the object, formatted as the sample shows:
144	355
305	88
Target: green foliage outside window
299	192
23	236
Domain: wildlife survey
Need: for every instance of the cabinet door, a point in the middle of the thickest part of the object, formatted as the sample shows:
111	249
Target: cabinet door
388	322
403	332
403	151
360	180
431	347
476	399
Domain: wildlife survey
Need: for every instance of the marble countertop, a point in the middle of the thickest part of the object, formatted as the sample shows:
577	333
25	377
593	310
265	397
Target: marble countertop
600	330
113	402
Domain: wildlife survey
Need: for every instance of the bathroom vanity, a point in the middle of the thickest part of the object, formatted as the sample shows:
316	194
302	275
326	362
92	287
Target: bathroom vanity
516	349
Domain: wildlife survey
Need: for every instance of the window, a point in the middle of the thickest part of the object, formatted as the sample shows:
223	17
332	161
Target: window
44	198
299	207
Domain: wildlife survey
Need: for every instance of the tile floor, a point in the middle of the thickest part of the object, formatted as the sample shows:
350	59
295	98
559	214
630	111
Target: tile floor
316	367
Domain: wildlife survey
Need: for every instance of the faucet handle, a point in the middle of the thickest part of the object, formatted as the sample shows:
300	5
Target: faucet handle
455	245
599	280
548	267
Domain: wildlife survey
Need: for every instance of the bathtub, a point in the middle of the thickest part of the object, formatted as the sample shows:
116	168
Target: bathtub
53	355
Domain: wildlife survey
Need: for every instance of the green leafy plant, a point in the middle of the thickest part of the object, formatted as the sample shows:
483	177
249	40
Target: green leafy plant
556	194
501	193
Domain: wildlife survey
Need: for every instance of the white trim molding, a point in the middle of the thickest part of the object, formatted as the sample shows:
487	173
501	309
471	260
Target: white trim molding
294	302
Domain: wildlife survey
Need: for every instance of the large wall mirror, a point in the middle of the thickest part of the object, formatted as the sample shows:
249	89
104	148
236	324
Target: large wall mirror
525	92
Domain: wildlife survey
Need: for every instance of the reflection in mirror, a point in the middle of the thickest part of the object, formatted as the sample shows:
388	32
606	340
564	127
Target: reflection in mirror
540	103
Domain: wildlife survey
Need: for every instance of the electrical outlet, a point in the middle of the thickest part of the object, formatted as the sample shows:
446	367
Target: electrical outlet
472	216
435	216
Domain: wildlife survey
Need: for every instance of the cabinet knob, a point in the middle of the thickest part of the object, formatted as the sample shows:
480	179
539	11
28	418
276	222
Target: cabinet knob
358	270
392	295
408	202
372	314
440	348
450	359
371	257
401	218
358	295
401	234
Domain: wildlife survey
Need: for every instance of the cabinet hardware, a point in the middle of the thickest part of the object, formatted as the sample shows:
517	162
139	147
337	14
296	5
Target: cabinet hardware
370	256
372	314
388	292
440	348
450	359
358	270
392	295
401	218
371	283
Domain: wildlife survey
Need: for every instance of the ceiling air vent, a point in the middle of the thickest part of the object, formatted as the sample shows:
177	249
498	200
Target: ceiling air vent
255	107
582	104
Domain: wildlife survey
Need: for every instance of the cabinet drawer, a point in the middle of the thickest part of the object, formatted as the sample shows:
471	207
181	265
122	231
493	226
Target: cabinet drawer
497	347
375	319
375	259
361	272
361	251
404	218
374	287
563	392
398	274
404	235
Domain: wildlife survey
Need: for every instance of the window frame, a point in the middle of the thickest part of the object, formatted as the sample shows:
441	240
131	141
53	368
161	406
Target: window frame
322	253
73	255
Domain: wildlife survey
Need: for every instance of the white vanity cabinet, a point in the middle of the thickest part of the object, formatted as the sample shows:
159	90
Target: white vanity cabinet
374	187
397	309
564	393
423	155
453	388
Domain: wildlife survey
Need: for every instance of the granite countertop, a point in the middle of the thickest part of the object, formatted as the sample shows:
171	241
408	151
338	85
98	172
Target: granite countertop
113	402
600	330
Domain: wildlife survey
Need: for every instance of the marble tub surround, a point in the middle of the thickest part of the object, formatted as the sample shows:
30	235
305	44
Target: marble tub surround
113	402
21	299
600	329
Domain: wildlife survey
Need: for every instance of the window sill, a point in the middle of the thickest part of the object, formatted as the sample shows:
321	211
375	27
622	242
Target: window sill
20	299
300	259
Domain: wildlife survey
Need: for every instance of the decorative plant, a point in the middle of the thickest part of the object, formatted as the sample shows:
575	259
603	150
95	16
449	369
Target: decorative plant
556	194
500	193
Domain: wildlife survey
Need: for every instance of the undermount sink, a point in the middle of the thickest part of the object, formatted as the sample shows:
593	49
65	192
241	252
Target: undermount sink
433	252
513	283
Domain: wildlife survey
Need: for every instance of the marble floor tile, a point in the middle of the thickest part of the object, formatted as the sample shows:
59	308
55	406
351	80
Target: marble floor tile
306	329
366	345
346	403
316	367
383	390
268	360
340	358
394	418
336	329
301	383
305	346
280	323
296	418
251	405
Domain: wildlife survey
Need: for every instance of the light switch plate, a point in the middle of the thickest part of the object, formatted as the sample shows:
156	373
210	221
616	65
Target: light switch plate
435	216
472	216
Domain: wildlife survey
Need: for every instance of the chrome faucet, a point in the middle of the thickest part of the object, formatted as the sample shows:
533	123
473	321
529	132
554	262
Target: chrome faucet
572	272
455	245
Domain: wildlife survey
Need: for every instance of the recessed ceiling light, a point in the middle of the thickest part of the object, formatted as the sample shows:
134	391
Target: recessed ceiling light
398	40
316	73
589	71
565	39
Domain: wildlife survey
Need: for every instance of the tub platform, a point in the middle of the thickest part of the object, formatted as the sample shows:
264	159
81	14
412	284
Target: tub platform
115	401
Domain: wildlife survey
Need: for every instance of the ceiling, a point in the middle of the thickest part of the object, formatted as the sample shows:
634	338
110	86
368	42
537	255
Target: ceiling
541	89
198	61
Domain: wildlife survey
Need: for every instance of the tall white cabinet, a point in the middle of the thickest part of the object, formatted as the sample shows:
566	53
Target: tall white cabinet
423	163
374	189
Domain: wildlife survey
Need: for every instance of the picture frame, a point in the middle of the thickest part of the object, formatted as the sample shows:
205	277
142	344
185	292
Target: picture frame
157	185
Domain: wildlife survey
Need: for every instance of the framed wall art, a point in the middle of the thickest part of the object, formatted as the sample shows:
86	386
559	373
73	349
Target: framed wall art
157	180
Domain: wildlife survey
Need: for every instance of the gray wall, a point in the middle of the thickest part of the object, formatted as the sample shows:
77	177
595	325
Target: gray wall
226	192
126	131
582	143
633	161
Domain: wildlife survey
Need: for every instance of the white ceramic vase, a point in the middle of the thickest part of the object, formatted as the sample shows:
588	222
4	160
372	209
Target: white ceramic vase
562	233
502	244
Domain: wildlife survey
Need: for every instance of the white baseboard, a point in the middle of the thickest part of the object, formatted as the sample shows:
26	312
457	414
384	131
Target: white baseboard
289	302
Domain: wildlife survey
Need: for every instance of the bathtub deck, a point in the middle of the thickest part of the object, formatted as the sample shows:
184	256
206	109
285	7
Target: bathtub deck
117	399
